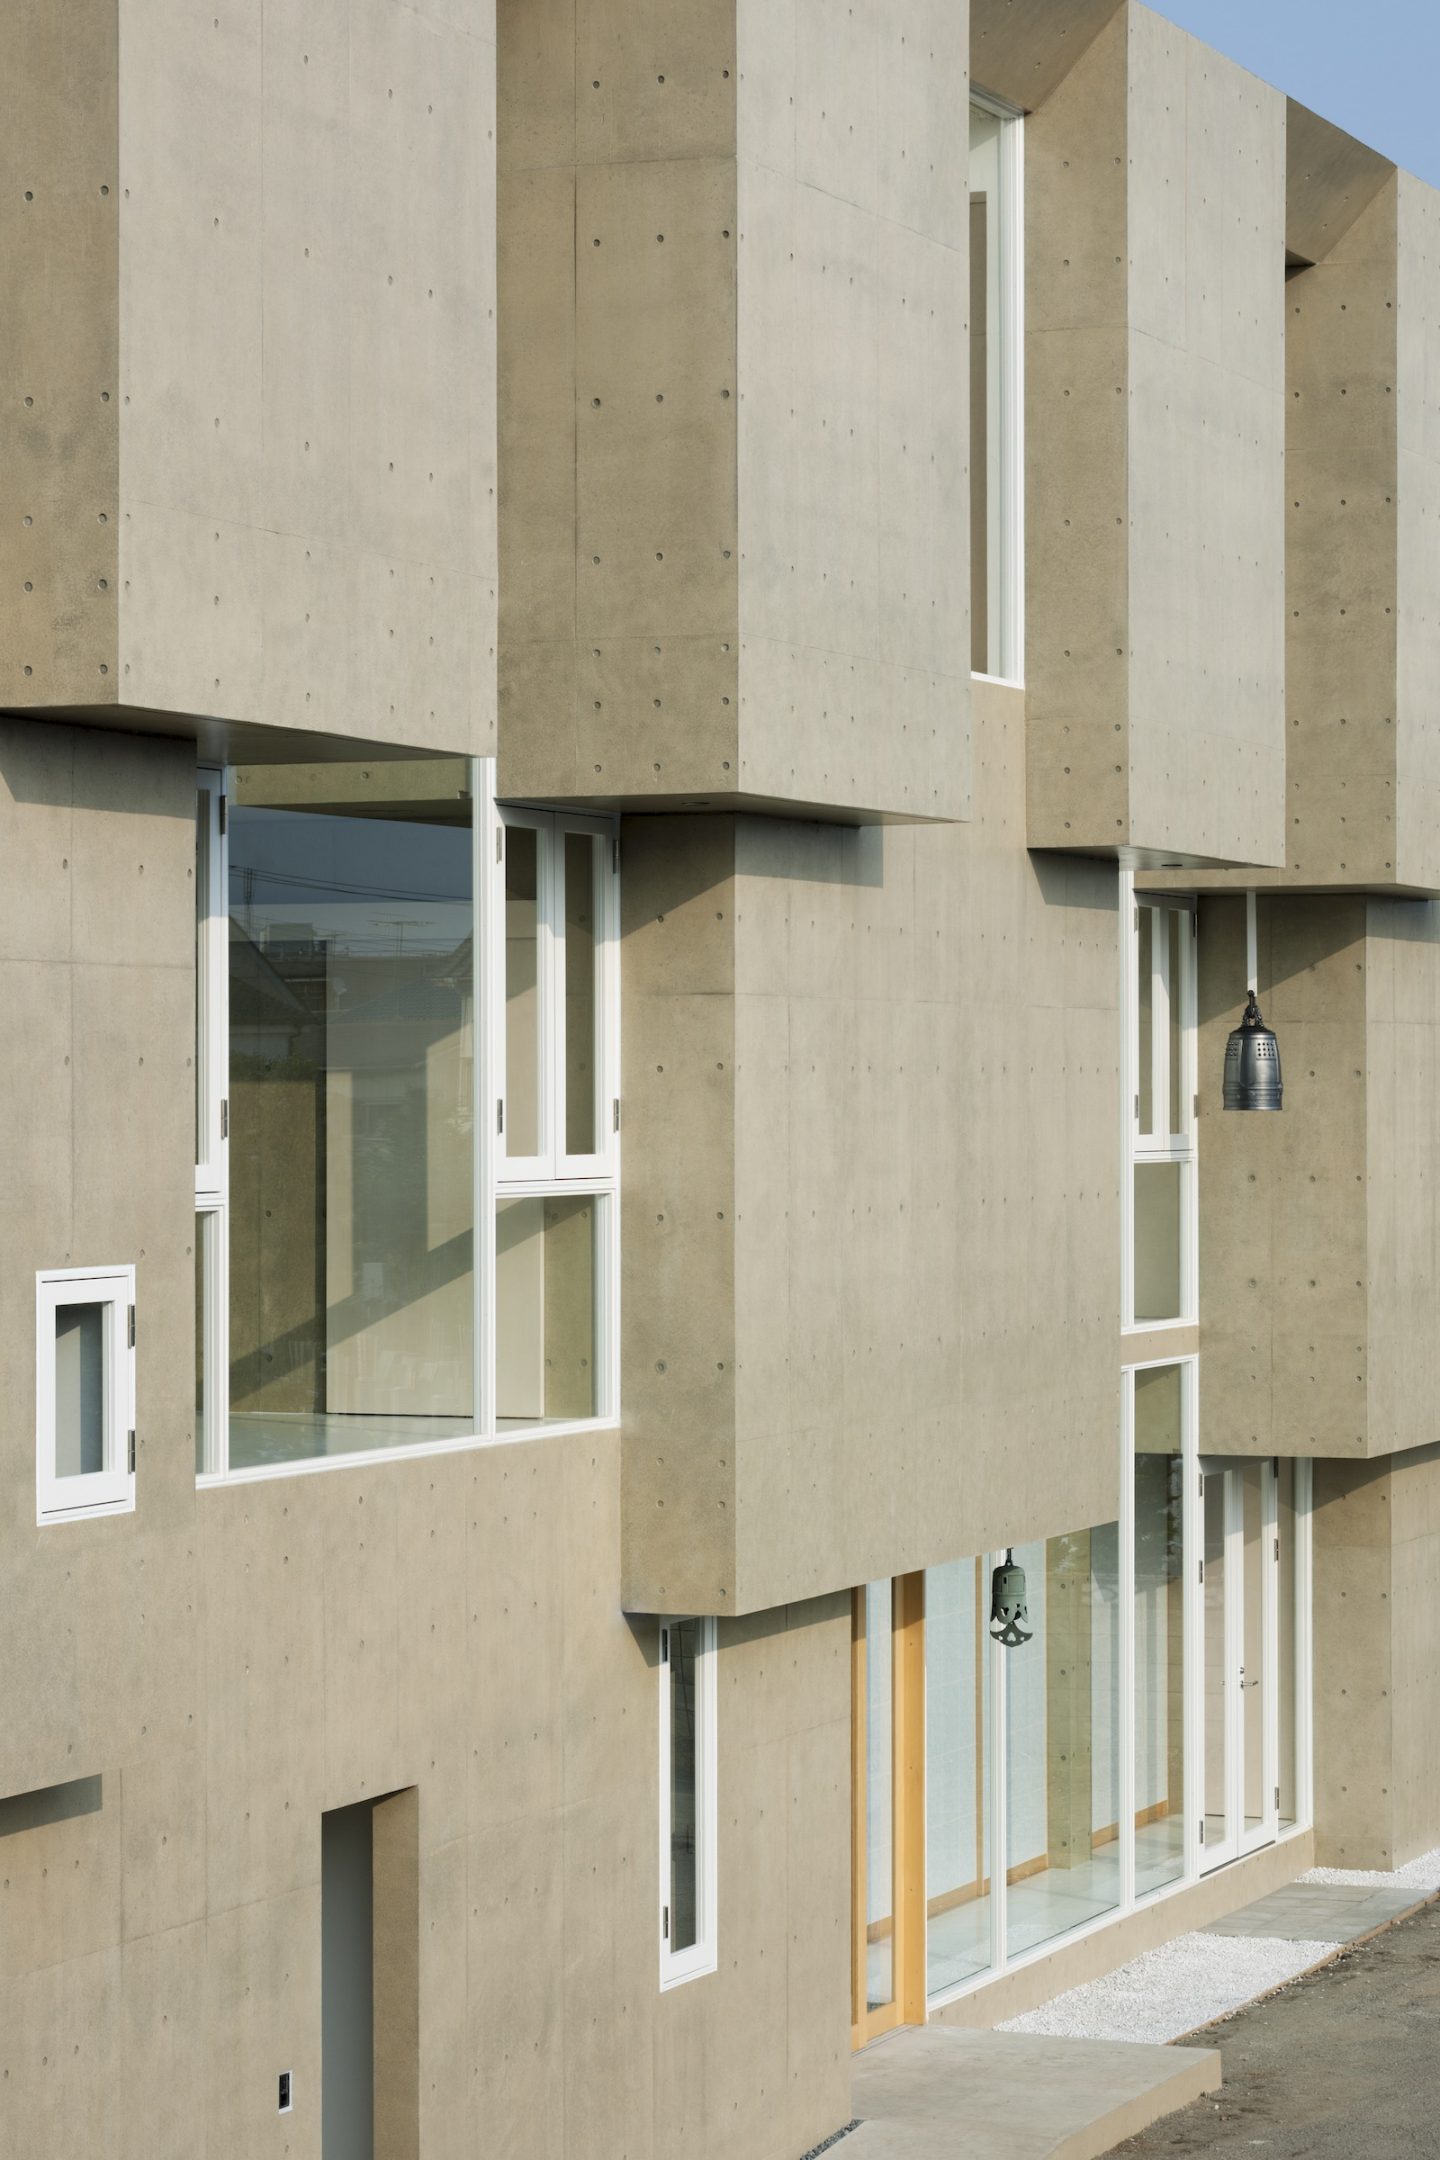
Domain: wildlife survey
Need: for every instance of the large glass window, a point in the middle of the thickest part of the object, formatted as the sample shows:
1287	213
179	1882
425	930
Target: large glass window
1160	1286
351	1175
1062	1731
957	1802
356	1115
996	396
1159	1617
688	1853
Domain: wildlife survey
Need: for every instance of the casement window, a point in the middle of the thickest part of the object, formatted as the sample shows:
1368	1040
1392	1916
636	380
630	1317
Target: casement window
557	1119
84	1392
997	402
1160	1200
352	966
688	1800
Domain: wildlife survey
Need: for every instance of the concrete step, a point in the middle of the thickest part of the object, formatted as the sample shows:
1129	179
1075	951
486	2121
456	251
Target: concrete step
939	2093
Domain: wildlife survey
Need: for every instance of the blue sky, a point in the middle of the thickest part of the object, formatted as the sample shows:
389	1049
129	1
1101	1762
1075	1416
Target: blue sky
1373	69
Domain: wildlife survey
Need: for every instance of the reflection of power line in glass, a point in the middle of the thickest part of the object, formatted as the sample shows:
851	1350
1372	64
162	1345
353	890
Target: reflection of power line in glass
251	874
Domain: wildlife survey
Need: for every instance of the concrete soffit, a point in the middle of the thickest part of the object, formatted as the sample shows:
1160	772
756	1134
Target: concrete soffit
1329	179
1021	50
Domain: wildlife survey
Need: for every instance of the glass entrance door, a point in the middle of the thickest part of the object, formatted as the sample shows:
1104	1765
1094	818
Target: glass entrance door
1238	1634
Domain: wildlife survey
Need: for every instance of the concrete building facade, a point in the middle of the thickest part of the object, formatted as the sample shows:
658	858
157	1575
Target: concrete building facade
652	1420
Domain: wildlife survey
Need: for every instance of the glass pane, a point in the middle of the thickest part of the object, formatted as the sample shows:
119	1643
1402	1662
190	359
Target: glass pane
684	1764
545	1274
879	1796
1145	1001
1158	1230
1217	1810
202	973
985	475
202	1270
957	1815
1254	1677
1178	937
1287	1768
1062	1740
1159	1631
582	884
522	990
79	1390
351	1109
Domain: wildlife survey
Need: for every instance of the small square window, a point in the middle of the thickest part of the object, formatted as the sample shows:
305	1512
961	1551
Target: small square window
84	1392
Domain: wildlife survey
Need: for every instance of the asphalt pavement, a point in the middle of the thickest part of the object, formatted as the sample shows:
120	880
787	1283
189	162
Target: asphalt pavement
1343	2065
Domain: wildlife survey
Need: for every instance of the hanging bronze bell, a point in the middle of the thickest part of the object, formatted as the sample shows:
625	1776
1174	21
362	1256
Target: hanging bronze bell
1007	1604
1252	1064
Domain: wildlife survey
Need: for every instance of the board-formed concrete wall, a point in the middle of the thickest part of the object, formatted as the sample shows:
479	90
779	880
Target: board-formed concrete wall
1377	1577
1362	524
1154	453
734	515
254	480
871	1195
1320	1228
216	1669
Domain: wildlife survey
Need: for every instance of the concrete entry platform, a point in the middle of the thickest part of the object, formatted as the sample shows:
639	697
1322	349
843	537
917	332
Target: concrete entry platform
1320	1912
937	2092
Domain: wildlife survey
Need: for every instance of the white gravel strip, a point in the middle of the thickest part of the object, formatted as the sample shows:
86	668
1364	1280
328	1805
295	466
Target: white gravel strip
1169	1991
1421	1874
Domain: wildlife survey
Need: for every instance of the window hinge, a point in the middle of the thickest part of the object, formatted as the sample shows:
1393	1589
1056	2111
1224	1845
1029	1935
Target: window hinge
1196	1101
500	1115
1137	1109
132	1327
615	1115
499	843
1277	1799
665	1924
1202	1829
1277	1548
224	808
615	855
1202	1571
132	1453
224	1117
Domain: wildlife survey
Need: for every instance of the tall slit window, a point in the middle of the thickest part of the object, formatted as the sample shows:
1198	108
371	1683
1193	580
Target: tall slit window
688	1800
1161	1285
996	391
557	1119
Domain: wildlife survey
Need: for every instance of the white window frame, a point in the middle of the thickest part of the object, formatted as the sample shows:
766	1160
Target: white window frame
547	1173
1005	629
702	1956
550	1164
1195	1865
110	1491
1181	1148
212	995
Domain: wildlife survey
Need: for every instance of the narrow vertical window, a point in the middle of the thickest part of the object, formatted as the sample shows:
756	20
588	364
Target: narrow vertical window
212	1119
84	1392
1159	1623
688	1872
1160	1285
996	393
557	1121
